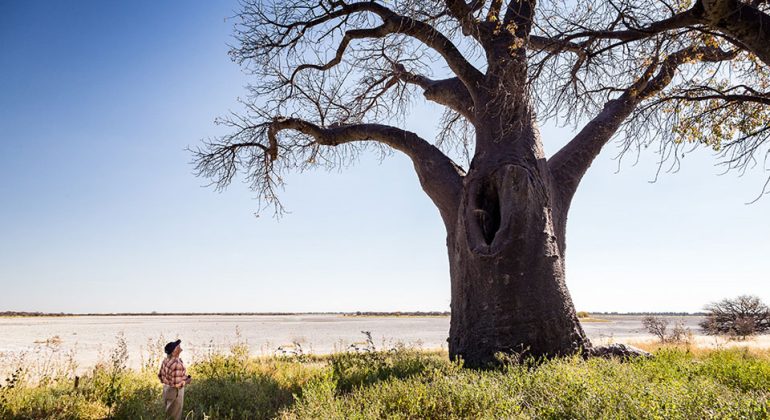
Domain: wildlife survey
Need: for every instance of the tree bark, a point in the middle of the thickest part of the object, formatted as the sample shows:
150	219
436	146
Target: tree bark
744	22
507	269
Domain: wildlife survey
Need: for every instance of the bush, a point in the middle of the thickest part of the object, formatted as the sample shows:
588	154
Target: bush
739	317
658	327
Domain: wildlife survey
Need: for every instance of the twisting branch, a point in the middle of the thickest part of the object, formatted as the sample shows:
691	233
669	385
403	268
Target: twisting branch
555	45
264	153
743	24
677	21
393	23
440	178
463	12
570	163
378	32
448	92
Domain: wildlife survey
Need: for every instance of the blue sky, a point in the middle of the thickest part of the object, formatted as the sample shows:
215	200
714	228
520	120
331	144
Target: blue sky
99	210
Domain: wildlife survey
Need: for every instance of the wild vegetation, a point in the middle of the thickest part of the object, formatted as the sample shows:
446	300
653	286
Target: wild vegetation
402	383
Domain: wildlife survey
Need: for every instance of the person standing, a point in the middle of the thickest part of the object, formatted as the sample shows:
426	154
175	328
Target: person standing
174	377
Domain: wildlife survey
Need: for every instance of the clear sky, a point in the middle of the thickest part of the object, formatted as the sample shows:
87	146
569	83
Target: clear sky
99	210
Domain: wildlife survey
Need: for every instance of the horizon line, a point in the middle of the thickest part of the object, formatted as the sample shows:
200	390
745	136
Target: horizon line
288	313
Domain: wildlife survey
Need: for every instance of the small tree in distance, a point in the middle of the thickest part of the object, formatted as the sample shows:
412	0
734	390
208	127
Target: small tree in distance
658	326
740	317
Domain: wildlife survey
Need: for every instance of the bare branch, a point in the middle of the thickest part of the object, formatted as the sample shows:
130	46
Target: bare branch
463	12
394	23
448	92
570	163
439	176
678	21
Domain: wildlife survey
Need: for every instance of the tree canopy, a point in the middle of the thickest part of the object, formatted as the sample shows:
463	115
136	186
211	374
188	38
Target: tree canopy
320	67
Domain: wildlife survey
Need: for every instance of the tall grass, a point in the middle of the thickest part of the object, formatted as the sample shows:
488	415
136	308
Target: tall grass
676	383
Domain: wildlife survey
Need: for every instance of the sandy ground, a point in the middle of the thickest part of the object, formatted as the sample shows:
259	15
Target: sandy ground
698	341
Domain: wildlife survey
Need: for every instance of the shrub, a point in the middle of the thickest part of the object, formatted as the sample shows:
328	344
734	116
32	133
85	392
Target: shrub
658	327
741	317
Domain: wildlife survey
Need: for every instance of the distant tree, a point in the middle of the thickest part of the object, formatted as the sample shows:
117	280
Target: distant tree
741	317
334	77
680	333
656	326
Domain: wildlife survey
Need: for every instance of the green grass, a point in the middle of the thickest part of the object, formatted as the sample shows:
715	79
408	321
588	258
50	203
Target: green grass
407	384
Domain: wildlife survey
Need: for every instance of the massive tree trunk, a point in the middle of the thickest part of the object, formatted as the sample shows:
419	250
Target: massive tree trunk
506	253
508	290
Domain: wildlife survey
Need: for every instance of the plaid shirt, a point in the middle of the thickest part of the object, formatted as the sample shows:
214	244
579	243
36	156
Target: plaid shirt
172	372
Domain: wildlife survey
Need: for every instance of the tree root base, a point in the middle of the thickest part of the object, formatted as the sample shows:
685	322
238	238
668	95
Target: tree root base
621	351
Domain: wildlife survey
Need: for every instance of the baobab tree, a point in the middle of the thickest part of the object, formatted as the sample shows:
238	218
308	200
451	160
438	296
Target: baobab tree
333	78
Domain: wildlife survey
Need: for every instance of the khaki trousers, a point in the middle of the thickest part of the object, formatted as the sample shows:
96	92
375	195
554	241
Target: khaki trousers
173	398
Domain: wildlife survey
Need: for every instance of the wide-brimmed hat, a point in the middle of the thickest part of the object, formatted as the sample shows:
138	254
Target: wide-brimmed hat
171	346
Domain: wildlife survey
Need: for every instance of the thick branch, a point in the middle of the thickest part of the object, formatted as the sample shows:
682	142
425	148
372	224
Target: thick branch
554	45
440	178
741	21
463	12
427	34
451	92
520	14
677	21
735	98
378	32
570	163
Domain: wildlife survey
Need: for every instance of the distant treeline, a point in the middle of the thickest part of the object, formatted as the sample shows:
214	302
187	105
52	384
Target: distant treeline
14	313
650	313
412	313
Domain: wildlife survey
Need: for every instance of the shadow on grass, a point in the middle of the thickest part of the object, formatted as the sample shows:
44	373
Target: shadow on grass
353	371
142	402
255	396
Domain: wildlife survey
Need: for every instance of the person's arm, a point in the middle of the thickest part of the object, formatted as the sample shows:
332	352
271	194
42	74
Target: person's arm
179	373
187	378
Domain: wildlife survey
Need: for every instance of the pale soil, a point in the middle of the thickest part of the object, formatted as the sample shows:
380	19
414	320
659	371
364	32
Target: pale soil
590	319
698	341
